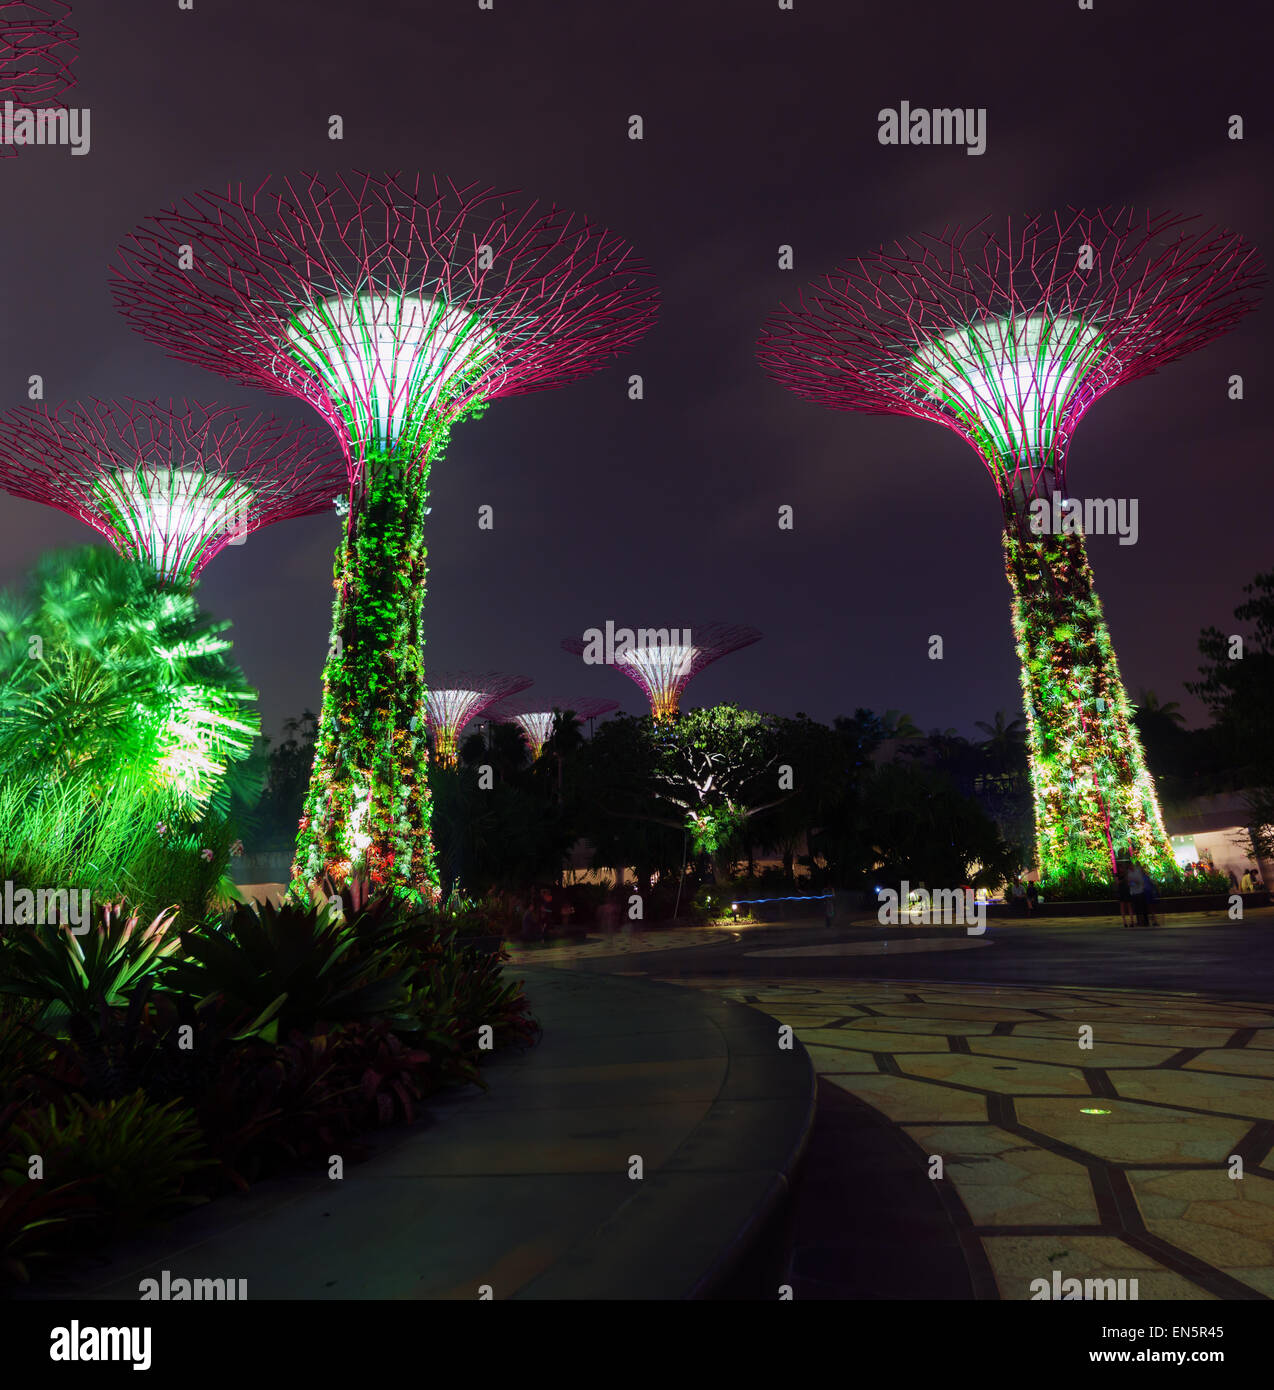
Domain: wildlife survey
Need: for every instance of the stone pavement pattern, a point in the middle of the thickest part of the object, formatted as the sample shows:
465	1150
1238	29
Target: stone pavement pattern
1111	1162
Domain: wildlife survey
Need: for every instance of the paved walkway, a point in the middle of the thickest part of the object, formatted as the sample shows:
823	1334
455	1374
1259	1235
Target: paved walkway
1115	1161
532	1188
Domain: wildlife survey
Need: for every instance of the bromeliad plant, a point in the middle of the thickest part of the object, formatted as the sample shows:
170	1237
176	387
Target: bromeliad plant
292	968
74	975
132	1156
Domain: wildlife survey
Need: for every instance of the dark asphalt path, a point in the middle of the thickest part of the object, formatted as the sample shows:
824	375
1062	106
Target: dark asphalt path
1234	959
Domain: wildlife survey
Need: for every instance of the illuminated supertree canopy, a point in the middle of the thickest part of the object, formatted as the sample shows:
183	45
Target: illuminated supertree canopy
169	485
457	698
396	307
1006	335
535	717
662	661
37	52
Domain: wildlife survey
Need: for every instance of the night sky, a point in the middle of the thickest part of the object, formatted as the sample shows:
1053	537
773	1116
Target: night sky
760	130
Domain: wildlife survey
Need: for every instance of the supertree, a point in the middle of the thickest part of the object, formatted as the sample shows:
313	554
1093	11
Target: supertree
37	51
663	668
455	699
396	307
1007	335
169	485
535	717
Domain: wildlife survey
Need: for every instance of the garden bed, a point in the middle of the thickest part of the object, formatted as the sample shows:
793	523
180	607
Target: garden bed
1109	907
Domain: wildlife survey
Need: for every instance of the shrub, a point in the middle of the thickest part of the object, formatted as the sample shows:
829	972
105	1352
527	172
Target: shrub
131	1156
76	975
28	1055
128	845
31	1212
274	1104
392	1076
713	903
293	967
456	989
1075	889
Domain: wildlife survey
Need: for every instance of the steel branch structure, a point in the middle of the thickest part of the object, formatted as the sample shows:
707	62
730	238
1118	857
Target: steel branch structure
395	307
535	717
169	485
37	52
455	699
663	661
1007	335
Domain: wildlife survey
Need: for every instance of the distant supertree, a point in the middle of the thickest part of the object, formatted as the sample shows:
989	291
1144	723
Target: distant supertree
168	485
37	51
535	717
457	698
394	306
662	661
1007	335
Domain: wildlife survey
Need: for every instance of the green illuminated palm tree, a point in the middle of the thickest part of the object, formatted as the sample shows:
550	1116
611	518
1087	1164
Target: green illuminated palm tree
109	679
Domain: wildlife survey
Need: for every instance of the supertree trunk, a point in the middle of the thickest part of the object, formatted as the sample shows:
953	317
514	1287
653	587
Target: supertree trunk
368	810
1094	798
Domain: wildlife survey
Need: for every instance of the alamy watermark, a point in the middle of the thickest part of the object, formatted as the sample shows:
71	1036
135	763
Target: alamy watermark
45	907
901	125
1082	1288
943	907
192	1290
1092	516
46	125
605	646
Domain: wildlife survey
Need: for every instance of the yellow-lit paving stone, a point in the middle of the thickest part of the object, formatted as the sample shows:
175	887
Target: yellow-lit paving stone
1188	1016
902	1099
1236	1060
1006	1181
960	1011
951	1027
834	1059
1226	1221
1164	1034
1235	1095
781	1008
1051	1003
1101	1054
865	1041
1017	1260
1132	1133
989	1074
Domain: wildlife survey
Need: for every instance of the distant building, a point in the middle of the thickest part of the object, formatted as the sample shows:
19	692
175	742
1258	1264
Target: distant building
1214	829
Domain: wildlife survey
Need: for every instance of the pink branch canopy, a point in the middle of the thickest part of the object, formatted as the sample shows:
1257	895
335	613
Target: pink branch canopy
1008	333
390	304
663	669
37	52
535	717
456	698
171	484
